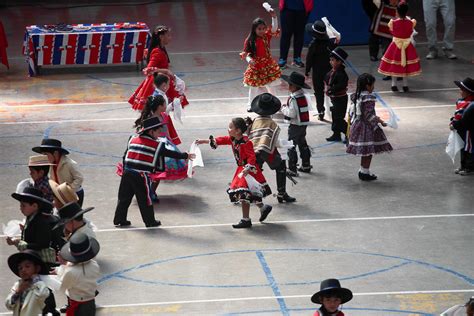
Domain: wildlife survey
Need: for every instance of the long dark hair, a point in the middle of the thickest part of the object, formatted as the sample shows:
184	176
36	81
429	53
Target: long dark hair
250	46
240	123
156	42
363	81
152	104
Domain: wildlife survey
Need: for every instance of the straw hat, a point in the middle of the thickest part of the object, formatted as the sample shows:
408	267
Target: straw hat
63	192
39	160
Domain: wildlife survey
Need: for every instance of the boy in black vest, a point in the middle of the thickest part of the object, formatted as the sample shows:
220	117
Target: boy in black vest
144	155
297	112
336	88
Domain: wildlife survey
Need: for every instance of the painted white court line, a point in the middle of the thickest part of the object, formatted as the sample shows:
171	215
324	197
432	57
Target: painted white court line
300	221
112	119
190	100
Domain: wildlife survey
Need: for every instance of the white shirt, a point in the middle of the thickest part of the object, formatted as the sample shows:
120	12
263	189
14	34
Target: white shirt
79	280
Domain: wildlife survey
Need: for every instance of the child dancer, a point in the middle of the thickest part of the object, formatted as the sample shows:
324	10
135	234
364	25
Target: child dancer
175	169
246	165
28	295
297	112
400	58
331	295
317	61
366	137
64	169
262	69
263	132
463	123
39	169
336	88
158	62
144	155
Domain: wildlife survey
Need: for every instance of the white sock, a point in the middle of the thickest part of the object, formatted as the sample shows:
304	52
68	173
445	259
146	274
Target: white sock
405	81
364	170
394	81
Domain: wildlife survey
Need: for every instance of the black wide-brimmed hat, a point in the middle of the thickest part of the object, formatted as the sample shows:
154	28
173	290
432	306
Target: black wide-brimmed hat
340	54
80	248
467	84
71	211
33	195
332	287
50	145
150	123
296	79
265	104
27	254
317	29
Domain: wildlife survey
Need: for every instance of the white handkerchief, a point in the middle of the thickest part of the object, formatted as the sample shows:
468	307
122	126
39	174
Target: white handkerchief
177	110
180	86
196	162
267	6
12	228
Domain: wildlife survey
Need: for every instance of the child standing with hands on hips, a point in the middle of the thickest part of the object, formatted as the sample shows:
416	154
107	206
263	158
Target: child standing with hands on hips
366	137
262	69
239	190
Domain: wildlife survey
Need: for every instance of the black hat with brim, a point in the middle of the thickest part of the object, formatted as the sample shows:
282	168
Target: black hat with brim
28	254
339	53
33	195
330	288
50	145
317	30
80	248
70	212
296	79
151	123
265	104
466	85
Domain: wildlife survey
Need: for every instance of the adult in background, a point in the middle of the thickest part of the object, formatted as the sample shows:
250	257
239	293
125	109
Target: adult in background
447	10
293	16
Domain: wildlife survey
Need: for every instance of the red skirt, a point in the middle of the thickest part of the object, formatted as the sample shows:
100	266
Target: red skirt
146	88
239	189
264	71
391	65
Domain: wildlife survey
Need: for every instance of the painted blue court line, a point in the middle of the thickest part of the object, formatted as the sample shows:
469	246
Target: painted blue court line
272	282
375	311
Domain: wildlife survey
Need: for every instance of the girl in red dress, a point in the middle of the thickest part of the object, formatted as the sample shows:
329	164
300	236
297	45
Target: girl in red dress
400	58
158	62
262	69
244	154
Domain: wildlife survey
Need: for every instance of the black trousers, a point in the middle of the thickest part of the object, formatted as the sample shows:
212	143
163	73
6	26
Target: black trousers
86	309
80	195
50	304
297	134
375	41
277	164
292	25
133	183
318	85
338	111
467	160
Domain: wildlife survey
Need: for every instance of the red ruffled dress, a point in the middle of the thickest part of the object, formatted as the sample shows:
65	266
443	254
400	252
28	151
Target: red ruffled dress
265	70
400	58
245	158
158	59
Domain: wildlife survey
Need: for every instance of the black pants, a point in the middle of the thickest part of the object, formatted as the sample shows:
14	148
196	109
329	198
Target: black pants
467	160
277	164
133	183
338	111
292	25
86	309
80	195
50	304
375	41
297	134
318	85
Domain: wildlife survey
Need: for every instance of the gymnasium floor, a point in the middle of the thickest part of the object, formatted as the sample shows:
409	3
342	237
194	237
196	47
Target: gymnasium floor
403	244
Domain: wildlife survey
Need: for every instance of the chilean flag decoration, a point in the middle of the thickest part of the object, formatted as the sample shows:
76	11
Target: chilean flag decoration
85	44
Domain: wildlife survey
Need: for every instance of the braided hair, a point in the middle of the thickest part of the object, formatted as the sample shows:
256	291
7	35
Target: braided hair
156	41
250	45
152	104
240	123
363	81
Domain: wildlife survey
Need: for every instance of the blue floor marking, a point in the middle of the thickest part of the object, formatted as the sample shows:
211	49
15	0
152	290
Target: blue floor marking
272	282
368	309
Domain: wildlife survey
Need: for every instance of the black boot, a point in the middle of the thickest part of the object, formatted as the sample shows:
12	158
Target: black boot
284	197
336	137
